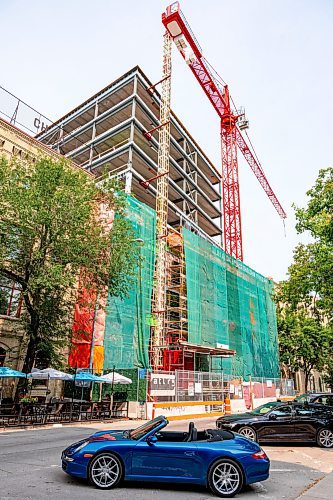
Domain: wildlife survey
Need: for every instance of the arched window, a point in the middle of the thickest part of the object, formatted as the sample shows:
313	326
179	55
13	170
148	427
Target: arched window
2	356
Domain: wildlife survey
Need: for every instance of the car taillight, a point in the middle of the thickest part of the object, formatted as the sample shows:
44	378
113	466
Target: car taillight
259	455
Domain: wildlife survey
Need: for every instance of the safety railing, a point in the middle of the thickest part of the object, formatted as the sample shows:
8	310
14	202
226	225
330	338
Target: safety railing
62	412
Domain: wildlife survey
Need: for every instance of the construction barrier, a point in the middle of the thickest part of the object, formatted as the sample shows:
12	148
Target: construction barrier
186	409
227	406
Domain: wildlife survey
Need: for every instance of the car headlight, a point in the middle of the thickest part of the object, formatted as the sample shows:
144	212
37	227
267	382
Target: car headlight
82	445
221	423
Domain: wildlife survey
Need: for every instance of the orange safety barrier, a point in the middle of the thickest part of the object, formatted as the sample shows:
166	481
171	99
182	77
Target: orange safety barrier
227	406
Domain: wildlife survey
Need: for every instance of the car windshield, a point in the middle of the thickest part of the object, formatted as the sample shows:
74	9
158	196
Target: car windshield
139	432
261	410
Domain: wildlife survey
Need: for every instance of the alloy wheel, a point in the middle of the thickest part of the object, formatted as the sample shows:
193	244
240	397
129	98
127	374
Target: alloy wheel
226	478
248	432
325	438
105	471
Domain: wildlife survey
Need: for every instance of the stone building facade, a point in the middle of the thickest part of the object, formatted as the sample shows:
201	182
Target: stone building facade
15	142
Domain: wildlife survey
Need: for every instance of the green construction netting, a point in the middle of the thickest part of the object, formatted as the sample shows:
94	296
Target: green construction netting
229	303
127	324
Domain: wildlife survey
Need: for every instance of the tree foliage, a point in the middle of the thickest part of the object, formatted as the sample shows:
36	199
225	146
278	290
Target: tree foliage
305	325
311	273
51	231
304	341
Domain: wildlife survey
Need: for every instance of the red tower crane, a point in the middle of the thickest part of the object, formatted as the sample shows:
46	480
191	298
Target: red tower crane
232	122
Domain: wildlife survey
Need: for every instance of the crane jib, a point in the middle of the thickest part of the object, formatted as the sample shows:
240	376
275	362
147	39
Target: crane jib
231	138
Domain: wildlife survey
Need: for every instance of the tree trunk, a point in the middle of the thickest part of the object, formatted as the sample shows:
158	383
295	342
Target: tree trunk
27	367
30	355
32	330
306	380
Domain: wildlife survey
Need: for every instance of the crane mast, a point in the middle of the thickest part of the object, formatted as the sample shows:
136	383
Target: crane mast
162	177
231	136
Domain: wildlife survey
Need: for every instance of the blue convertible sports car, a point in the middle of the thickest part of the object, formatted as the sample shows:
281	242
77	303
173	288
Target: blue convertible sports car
220	459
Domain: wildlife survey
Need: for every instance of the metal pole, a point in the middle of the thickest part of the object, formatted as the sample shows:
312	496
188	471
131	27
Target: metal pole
251	395
92	345
222	380
263	387
47	387
112	385
137	386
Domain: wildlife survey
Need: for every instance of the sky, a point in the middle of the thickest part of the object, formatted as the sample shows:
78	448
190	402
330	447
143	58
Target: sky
276	57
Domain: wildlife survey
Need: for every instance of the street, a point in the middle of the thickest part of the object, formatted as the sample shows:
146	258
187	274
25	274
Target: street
30	468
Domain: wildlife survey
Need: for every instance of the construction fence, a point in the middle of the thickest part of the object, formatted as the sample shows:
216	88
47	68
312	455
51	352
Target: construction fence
183	386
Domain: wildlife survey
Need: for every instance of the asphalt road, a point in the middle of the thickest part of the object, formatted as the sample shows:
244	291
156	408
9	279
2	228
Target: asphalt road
30	469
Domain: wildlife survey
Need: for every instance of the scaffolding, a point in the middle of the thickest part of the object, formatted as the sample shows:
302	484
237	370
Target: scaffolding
176	323
162	195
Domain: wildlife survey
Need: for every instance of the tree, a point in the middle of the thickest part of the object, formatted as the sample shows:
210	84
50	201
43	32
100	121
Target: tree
328	378
305	331
311	273
51	231
304	341
317	217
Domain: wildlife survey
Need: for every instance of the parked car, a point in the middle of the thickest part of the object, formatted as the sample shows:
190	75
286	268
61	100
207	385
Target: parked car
324	398
221	460
278	421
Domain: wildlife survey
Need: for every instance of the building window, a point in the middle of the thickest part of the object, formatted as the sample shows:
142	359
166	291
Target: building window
2	356
16	151
10	298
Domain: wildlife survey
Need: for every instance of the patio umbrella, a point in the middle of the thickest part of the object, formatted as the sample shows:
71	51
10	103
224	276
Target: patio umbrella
85	377
6	372
49	374
115	378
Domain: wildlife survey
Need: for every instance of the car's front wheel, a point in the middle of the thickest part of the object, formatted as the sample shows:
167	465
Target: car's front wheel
248	432
105	471
325	438
225	478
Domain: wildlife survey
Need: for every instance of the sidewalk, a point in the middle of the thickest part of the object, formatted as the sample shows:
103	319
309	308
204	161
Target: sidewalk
323	490
94	424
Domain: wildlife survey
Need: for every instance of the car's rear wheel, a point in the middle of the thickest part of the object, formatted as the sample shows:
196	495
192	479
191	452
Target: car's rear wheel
105	471
325	438
225	478
248	432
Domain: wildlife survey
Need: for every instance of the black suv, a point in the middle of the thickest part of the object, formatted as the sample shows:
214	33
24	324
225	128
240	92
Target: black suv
278	421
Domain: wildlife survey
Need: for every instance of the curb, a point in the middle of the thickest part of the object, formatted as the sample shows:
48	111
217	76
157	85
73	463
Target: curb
21	428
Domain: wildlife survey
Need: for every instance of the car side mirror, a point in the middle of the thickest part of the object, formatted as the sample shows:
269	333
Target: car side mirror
272	417
152	440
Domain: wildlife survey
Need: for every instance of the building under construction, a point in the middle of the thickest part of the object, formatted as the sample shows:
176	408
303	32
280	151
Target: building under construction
215	305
